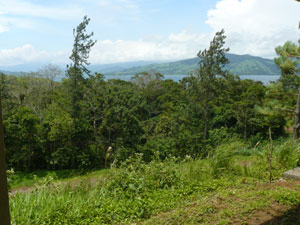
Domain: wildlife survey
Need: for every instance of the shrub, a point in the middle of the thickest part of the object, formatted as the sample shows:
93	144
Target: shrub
10	177
287	154
221	160
135	176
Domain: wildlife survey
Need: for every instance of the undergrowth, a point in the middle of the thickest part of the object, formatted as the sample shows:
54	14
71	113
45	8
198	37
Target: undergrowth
135	191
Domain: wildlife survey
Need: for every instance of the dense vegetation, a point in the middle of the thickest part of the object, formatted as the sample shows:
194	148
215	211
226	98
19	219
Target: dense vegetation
239	64
145	115
85	122
203	140
226	188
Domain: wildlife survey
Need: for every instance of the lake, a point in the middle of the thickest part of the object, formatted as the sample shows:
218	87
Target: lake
264	78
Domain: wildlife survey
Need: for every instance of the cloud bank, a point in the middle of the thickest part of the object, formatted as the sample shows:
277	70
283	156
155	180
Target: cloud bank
255	26
252	27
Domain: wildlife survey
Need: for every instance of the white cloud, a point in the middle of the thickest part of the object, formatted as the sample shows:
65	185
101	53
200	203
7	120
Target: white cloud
27	53
110	12
25	8
21	14
252	27
176	46
256	26
3	28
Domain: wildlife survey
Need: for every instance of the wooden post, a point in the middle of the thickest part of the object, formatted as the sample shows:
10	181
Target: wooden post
270	157
296	126
4	204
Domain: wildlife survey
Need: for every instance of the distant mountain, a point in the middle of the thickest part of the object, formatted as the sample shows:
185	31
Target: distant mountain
239	65
21	68
100	68
13	73
118	67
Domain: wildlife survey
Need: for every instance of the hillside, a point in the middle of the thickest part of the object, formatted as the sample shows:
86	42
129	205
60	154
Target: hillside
239	64
223	189
118	67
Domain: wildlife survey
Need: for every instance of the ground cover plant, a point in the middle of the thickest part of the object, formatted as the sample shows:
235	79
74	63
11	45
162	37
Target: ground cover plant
169	191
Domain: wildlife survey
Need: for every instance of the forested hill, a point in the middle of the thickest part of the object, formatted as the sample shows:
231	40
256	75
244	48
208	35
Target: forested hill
239	64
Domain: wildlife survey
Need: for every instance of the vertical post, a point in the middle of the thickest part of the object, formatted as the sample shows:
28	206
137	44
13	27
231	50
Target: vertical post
270	157
297	117
4	204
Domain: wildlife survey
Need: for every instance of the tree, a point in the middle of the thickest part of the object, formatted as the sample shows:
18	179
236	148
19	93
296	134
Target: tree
82	46
4	205
251	94
288	61
76	71
50	72
80	54
151	86
205	86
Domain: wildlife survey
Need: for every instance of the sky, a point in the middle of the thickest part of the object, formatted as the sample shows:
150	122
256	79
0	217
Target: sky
41	31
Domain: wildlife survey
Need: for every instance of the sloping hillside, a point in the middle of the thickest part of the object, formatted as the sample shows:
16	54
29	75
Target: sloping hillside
239	64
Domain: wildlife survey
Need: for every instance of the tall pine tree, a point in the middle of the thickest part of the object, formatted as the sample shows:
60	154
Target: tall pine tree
76	72
288	61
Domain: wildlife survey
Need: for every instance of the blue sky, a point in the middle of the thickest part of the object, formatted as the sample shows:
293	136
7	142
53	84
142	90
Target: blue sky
129	30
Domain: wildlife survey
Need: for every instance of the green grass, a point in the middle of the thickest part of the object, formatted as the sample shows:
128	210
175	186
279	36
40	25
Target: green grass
234	206
167	192
27	179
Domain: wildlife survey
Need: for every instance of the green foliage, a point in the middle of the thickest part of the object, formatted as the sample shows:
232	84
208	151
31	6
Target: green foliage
81	48
136	191
221	161
136	177
165	142
10	174
288	197
287	154
288	61
87	122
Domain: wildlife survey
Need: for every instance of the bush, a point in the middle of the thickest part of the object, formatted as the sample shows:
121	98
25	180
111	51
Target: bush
135	177
221	160
287	154
10	177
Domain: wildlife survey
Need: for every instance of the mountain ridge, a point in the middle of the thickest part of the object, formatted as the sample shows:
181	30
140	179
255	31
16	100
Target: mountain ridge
239	65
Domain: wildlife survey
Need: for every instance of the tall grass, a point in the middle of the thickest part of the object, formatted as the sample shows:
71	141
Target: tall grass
137	190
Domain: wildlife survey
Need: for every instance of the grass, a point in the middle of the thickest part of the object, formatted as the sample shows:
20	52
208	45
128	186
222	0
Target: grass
235	206
208	191
30	179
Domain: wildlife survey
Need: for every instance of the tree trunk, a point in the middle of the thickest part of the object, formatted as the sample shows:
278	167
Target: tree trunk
297	117
4	205
270	157
245	128
205	121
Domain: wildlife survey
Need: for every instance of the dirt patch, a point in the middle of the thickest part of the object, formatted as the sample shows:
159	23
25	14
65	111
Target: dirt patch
246	205
264	215
21	190
293	184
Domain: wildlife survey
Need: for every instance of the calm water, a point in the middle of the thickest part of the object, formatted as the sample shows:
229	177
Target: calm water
264	78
